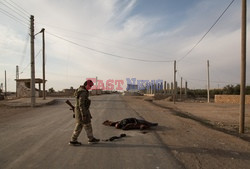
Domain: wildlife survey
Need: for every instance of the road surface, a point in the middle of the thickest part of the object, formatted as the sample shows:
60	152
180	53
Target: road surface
38	138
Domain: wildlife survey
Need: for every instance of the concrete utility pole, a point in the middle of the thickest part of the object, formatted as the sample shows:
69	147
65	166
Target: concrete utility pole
243	66
174	95
96	85
181	90
44	94
17	77
32	62
208	83
172	89
154	88
96	79
186	84
165	83
5	84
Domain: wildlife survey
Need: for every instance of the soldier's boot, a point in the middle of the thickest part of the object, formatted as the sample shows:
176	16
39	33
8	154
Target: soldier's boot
75	143
89	131
93	140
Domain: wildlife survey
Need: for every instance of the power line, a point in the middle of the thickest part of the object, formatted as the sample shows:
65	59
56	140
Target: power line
13	17
204	80
206	32
105	53
117	43
13	10
24	11
16	8
223	82
29	63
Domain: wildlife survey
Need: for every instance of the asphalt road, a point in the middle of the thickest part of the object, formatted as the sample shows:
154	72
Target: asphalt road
38	138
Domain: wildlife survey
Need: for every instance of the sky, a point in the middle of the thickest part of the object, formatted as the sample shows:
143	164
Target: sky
120	40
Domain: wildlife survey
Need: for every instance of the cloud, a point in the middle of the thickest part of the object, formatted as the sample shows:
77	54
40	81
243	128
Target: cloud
125	28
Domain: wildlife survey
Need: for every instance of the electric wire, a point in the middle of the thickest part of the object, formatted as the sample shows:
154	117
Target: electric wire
203	80
25	18
105	53
116	43
221	82
20	8
17	8
206	32
30	63
13	17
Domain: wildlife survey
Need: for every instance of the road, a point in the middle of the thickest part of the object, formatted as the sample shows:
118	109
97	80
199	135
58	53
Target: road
38	138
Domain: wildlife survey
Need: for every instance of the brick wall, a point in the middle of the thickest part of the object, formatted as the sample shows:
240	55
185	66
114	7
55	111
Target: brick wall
230	99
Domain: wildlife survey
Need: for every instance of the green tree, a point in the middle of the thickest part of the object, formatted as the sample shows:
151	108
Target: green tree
228	89
237	89
51	90
247	89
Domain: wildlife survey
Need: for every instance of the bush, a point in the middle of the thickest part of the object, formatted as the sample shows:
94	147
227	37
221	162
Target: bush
227	90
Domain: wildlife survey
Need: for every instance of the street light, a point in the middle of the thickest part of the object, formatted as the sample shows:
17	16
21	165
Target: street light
42	31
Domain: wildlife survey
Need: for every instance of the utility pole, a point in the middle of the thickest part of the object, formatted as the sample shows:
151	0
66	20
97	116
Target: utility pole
174	95
186	84
5	84
96	85
32	62
44	94
165	84
243	66
1	87
17	77
181	90
208	83
43	66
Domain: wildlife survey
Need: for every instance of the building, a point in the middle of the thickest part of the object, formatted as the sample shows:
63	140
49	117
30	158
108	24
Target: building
132	88
23	87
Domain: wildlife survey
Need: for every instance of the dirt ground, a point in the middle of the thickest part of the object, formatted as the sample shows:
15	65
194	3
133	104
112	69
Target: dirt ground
224	117
194	133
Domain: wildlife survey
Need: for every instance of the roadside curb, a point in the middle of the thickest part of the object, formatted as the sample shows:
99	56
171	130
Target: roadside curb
19	104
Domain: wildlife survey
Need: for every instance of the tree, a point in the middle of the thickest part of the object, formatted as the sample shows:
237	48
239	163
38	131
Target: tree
247	89
237	89
228	89
51	90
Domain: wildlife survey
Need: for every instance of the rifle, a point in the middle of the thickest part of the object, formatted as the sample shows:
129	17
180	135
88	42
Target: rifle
71	107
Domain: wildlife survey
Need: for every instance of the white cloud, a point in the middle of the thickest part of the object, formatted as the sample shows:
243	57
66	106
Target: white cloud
114	27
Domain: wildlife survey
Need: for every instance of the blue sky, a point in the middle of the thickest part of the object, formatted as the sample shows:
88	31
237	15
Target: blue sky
90	38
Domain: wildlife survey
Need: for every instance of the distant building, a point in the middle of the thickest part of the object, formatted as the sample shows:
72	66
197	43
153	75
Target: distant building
23	87
69	91
132	88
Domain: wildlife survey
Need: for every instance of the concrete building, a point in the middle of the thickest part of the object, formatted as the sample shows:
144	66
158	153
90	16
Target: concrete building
23	88
132	88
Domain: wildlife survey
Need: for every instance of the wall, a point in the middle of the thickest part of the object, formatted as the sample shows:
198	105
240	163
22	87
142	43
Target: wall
230	99
24	91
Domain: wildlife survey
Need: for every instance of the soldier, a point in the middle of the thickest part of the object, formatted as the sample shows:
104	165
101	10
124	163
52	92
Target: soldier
82	114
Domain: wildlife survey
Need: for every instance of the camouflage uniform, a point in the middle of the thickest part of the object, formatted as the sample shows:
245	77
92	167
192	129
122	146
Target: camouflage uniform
82	114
